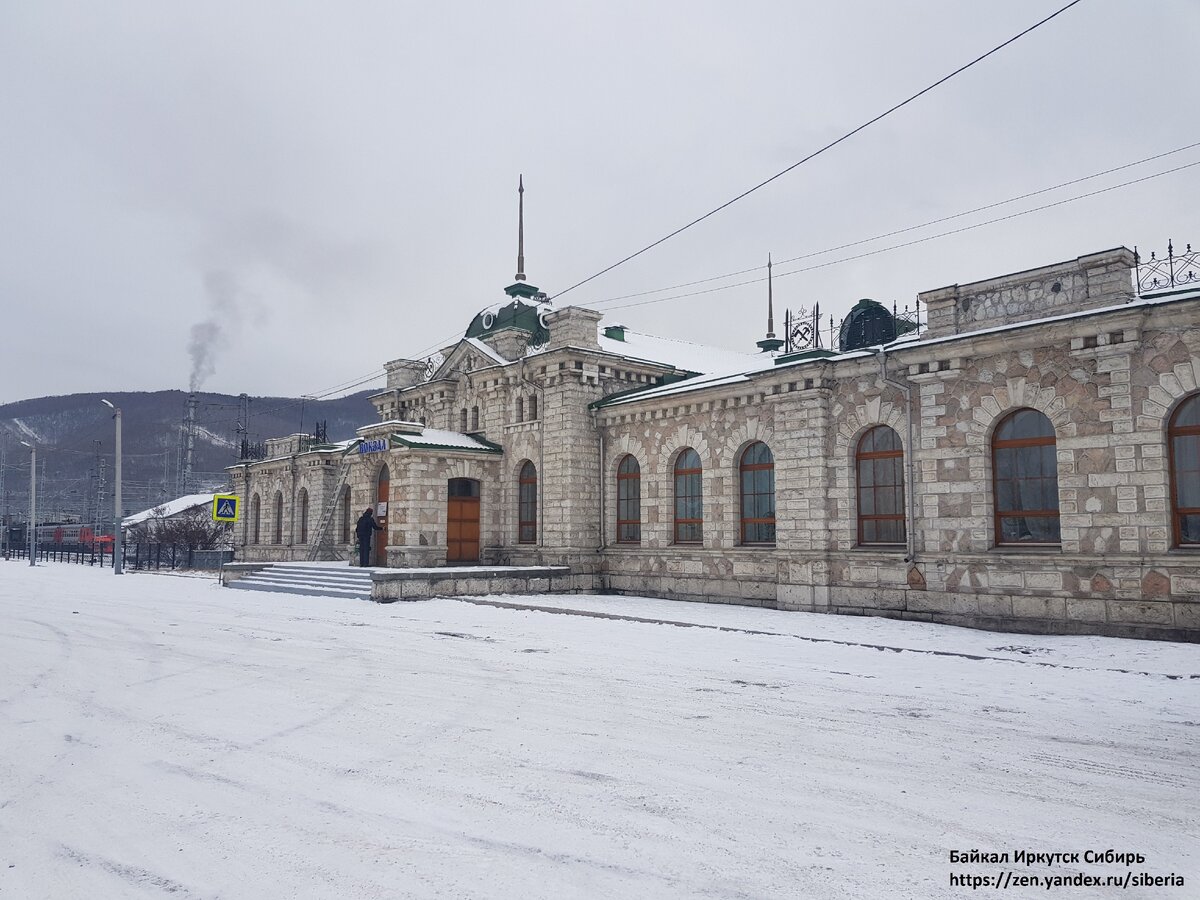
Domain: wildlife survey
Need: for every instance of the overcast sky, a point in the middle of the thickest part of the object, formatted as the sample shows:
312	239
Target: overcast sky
315	188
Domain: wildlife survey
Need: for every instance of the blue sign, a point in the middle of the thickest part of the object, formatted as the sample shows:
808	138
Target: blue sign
225	508
373	446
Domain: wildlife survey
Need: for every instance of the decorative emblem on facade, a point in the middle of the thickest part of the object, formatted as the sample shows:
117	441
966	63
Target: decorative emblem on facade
802	329
433	363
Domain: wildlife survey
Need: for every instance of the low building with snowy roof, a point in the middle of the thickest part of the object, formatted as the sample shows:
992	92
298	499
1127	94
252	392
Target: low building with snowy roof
137	525
1023	455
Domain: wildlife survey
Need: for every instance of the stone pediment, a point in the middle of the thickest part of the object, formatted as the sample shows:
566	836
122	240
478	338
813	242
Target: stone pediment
467	356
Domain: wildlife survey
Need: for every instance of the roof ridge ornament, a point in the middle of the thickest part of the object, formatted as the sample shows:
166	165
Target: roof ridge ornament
520	288
520	276
770	343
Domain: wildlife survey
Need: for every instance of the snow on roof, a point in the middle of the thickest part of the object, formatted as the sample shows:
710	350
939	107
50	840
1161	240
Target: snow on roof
680	354
170	508
486	350
1135	303
437	437
767	363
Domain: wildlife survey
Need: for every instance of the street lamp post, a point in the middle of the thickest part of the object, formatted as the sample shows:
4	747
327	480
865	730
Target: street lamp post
31	531
118	546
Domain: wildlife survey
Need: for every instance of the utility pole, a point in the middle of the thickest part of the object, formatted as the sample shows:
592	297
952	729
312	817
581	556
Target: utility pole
189	444
4	493
243	426
31	528
118	548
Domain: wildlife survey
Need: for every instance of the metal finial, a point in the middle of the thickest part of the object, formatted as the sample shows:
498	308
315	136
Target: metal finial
520	228
770	302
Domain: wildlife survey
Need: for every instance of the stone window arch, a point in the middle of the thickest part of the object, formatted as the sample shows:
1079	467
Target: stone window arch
1025	479
520	409
533	407
527	489
345	515
756	489
1183	447
689	497
255	520
302	514
879	471
629	501
278	513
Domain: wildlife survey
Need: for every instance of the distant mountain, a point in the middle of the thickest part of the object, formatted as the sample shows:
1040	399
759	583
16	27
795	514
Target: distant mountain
74	433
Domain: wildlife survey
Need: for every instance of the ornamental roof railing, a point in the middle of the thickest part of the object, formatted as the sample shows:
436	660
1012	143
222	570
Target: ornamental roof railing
1159	275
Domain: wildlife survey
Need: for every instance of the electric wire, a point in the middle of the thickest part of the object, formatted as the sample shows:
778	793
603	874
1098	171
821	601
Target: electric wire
899	231
817	153
922	240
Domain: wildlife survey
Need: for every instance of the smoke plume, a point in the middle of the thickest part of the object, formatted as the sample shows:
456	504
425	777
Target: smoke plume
221	288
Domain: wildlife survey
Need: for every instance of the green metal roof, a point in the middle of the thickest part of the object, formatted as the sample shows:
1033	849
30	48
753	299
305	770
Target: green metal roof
519	314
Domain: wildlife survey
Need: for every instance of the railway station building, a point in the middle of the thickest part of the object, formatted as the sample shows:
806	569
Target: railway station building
1026	459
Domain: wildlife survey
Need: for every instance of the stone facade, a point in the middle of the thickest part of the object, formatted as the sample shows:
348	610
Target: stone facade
1070	341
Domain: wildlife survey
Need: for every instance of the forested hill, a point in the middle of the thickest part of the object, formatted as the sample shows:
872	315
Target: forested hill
74	432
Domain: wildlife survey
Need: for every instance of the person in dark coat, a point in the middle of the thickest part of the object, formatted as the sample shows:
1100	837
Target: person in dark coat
366	528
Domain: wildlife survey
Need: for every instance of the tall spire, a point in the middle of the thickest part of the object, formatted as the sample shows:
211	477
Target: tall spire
770	343
520	228
770	302
520	288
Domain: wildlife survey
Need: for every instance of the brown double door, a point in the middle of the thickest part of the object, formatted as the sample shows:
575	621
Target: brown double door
462	521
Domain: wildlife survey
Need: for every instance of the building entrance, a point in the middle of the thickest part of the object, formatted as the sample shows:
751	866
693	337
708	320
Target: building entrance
462	521
379	542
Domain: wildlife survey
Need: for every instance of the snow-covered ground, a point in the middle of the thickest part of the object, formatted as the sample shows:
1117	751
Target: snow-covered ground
162	736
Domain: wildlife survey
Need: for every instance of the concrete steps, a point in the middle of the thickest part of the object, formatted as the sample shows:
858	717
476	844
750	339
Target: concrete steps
309	581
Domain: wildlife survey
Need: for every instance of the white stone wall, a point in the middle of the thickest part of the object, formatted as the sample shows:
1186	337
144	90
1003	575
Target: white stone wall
1108	385
1107	382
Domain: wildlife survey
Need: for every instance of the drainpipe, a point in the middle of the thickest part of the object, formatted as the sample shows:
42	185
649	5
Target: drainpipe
909	457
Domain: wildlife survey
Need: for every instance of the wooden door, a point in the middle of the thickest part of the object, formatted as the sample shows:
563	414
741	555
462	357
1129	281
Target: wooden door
379	548
462	521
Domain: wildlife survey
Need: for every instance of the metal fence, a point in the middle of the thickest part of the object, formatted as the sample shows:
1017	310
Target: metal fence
134	557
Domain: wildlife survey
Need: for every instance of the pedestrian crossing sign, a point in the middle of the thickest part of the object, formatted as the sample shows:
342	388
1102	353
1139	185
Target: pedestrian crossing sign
225	508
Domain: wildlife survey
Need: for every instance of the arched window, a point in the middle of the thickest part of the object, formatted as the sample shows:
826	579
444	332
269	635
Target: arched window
278	517
302	513
689	498
1183	438
474	418
533	411
255	520
345	515
527	504
879	464
757	472
629	501
462	420
520	409
1025	479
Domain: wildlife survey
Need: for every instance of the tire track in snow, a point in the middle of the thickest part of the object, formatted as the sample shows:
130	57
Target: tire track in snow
619	617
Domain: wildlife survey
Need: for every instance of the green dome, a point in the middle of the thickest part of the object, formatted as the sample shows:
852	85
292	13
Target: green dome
519	314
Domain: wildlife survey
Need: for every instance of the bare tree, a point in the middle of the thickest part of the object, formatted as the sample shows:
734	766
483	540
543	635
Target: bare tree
193	529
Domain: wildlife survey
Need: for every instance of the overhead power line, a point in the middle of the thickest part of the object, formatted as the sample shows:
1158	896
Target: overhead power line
898	231
816	153
922	240
612	301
